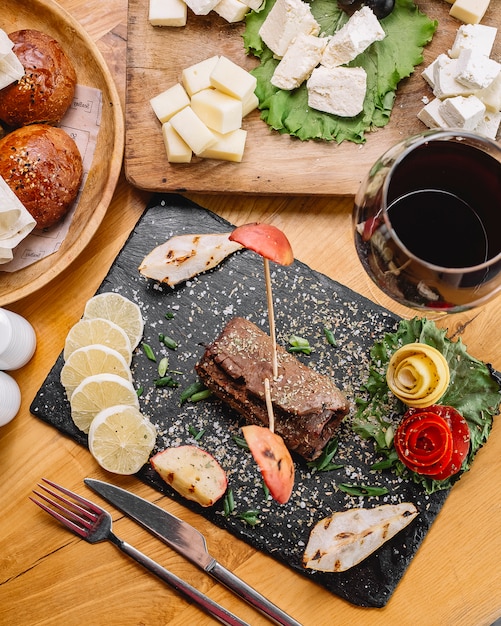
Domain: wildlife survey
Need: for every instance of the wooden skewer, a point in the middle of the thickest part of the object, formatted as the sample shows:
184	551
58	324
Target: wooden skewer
269	405
271	317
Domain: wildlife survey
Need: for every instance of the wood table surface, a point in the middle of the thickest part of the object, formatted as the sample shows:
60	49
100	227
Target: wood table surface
48	576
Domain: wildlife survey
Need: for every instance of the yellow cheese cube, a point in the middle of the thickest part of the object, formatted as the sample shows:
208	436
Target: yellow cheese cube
169	102
228	147
168	13
178	151
249	104
192	130
217	110
197	76
469	11
231	10
232	79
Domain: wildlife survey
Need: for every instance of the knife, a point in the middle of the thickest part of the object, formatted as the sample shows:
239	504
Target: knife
188	541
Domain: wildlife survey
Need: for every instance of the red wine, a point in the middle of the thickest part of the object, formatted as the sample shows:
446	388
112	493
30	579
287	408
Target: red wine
440	228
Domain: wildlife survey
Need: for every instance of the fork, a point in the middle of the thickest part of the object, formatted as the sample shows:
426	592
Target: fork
94	524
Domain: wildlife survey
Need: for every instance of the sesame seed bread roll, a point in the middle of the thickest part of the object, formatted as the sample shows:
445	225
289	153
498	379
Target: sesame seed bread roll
43	167
46	90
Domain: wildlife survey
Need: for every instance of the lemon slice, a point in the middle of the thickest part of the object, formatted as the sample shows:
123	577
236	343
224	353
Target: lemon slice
98	331
90	360
119	309
98	392
121	439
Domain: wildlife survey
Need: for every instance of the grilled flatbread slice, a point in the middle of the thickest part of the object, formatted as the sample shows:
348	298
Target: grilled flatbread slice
346	538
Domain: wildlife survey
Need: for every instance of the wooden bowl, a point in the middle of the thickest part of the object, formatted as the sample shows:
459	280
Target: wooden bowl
92	71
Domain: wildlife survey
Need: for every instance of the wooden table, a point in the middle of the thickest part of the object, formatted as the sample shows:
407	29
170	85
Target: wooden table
48	576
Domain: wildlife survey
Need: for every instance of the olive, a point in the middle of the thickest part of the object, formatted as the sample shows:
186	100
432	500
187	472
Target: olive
381	8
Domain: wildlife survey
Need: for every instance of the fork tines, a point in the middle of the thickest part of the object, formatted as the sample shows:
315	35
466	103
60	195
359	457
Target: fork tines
80	515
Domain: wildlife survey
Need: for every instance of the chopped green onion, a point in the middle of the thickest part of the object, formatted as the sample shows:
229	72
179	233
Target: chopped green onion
201	395
191	390
166	381
196	434
149	352
228	503
323	462
250	517
329	335
139	391
163	366
169	315
299	344
167	341
266	491
362	490
240	441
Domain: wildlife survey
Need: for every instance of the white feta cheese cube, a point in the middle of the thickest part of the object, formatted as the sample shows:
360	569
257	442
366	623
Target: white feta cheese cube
201	7
231	10
337	90
428	73
489	125
430	115
168	13
469	11
461	112
178	151
491	95
284	22
197	76
360	31
192	130
232	79
444	79
301	57
473	37
475	70
228	147
217	110
169	102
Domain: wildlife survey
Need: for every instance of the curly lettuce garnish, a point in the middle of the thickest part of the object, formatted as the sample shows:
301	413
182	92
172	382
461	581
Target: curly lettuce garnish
474	391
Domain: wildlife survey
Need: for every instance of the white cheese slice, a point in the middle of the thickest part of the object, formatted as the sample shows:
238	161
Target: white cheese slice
232	79
475	70
192	130
473	37
360	31
469	11
197	76
168	13
169	102
228	147
284	22
11	70
178	151
337	90
299	60
489	125
201	7
231	10
491	95
253	4
430	114
217	110
461	112
444	78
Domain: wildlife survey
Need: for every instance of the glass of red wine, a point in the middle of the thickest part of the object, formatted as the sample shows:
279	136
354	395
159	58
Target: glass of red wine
427	221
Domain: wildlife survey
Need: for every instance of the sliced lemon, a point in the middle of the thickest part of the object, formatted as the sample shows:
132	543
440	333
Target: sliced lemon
119	309
121	439
89	332
90	360
98	392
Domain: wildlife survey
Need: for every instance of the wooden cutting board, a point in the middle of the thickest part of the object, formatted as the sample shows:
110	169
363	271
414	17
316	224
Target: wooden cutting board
273	163
305	302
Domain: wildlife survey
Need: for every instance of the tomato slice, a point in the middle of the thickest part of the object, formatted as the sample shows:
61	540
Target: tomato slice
433	441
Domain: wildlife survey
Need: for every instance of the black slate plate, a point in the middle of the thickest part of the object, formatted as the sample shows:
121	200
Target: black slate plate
305	303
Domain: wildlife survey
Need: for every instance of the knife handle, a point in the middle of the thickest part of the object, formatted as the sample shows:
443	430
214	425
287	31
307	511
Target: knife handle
213	608
250	595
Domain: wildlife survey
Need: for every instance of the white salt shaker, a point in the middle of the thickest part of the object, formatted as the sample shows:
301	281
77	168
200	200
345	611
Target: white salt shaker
10	398
17	340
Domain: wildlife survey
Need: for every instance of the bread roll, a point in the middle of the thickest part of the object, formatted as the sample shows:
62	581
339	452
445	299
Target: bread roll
46	90
43	167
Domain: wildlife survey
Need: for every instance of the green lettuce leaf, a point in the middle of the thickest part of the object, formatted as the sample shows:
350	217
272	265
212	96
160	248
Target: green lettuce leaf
474	390
386	62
